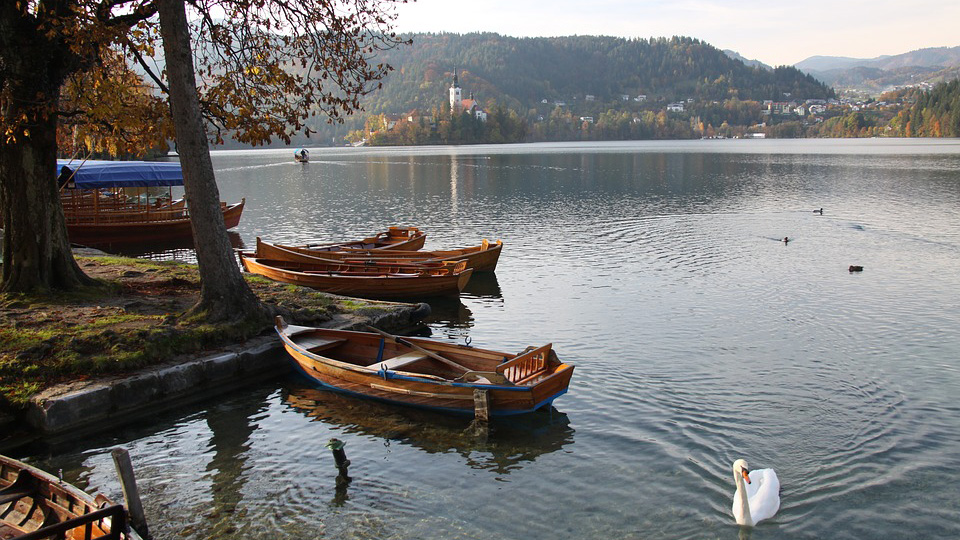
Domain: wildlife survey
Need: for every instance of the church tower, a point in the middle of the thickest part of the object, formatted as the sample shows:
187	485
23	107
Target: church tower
456	96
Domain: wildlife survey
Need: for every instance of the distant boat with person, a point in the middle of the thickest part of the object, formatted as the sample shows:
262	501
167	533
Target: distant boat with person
301	155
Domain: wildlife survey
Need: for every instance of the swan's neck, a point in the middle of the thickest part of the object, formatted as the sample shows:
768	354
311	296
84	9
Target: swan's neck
744	502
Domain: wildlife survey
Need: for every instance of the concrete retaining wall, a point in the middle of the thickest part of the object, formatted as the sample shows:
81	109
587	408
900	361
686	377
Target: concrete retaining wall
82	408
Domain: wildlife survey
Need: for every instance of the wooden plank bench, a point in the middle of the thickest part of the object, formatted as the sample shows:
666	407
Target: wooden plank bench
318	344
24	486
400	361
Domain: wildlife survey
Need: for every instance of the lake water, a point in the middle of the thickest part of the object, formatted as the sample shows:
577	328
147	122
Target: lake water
658	268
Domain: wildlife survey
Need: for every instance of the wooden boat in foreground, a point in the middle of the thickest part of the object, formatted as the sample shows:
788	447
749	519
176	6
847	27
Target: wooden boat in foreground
426	373
374	281
482	258
35	505
406	238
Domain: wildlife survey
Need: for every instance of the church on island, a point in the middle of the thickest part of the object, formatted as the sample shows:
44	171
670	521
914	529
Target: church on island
469	106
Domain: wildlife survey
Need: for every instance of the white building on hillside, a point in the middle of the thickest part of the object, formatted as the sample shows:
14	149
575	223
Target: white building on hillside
459	105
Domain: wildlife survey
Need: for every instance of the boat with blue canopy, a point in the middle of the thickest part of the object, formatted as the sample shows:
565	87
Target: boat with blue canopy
120	202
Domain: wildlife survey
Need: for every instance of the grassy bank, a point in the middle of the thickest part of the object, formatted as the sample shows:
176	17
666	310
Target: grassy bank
130	321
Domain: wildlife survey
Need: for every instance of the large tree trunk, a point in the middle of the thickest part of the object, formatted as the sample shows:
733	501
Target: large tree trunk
224	294
36	251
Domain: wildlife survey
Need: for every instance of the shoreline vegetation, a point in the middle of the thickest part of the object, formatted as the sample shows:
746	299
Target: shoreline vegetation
132	320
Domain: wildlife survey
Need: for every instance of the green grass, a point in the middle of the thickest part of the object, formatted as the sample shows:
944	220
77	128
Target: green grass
59	337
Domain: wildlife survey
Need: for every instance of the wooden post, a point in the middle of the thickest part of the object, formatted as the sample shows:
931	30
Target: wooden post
341	461
131	495
481	405
479	428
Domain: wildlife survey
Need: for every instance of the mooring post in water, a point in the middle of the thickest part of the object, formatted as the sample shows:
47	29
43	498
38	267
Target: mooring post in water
340	458
481	405
480	426
131	495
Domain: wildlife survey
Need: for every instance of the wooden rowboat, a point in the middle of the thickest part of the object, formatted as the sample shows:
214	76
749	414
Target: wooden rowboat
482	258
405	238
35	505
426	373
374	281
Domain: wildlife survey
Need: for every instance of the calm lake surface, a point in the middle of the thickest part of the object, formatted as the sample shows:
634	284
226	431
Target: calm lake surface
699	338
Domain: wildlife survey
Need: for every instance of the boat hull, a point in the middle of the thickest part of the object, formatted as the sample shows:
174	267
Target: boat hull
482	258
364	282
411	388
144	230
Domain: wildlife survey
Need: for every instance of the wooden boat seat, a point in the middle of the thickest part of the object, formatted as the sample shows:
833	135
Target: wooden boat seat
400	361
318	344
24	486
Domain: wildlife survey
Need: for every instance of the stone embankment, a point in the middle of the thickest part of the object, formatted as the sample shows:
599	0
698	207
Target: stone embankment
82	408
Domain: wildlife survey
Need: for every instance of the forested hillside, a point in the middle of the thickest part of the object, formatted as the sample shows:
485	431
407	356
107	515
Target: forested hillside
569	88
935	113
520	73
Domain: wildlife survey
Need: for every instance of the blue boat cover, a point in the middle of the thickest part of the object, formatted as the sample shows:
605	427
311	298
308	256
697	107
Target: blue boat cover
104	174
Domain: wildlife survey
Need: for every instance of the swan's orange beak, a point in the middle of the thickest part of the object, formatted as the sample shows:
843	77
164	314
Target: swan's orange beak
746	475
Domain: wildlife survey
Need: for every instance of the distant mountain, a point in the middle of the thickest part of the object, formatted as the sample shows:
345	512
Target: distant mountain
931	57
874	75
752	63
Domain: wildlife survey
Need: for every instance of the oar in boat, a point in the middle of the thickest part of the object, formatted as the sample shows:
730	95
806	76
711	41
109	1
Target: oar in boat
414	346
490	376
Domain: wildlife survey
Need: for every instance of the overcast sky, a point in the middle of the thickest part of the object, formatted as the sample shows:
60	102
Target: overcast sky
774	32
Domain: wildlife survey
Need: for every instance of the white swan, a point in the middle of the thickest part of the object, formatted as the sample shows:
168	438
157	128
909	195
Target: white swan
758	494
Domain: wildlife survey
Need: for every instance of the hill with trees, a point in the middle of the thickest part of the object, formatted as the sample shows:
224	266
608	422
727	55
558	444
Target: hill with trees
571	80
521	72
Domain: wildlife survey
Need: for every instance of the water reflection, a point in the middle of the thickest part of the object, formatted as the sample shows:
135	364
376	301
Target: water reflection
176	249
449	312
230	430
511	444
483	285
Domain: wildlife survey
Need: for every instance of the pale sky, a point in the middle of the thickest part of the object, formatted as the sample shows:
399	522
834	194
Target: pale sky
774	32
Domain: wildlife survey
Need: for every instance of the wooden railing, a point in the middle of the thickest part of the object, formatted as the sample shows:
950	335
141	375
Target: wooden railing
525	365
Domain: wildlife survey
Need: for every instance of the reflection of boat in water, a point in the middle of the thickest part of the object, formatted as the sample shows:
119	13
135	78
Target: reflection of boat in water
483	286
175	249
510	444
449	311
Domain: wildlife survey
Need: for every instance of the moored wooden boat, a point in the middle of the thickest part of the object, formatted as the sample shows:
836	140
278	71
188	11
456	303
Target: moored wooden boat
113	202
373	281
35	505
406	238
482	258
141	226
426	373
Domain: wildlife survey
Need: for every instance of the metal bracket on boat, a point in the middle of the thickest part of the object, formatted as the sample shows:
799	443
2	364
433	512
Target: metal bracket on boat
467	341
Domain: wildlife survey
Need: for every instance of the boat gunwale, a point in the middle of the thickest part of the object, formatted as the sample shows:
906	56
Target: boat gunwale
387	375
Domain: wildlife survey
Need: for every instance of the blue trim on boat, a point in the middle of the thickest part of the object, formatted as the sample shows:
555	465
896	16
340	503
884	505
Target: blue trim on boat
463	411
394	375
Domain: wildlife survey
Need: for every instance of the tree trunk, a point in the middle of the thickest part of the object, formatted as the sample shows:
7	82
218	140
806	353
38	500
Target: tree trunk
224	294
36	251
